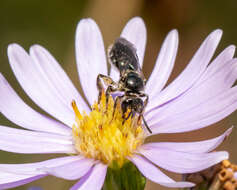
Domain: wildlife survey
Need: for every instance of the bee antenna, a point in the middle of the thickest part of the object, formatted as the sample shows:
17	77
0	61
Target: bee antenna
144	121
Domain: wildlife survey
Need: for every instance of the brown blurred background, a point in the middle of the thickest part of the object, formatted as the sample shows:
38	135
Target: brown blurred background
53	23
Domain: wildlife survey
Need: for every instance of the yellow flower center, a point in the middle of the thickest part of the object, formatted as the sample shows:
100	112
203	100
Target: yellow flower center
104	135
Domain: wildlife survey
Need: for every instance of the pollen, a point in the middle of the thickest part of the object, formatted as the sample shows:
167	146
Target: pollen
104	134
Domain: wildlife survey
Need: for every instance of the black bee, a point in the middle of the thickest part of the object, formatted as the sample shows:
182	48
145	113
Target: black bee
122	54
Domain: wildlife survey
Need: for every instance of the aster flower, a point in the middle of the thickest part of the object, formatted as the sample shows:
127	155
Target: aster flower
201	95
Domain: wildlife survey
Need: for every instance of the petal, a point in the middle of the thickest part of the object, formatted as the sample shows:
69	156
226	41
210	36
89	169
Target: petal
182	162
191	73
224	57
134	32
14	109
216	84
94	179
56	75
154	174
12	175
207	113
29	142
71	171
164	64
37	167
190	147
10	180
37	87
90	56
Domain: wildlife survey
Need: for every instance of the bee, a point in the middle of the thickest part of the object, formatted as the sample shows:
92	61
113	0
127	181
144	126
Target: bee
122	55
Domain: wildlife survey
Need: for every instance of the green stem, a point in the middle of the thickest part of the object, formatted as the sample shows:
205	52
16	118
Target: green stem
127	177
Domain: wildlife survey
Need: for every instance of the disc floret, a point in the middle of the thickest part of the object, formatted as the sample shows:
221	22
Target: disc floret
104	135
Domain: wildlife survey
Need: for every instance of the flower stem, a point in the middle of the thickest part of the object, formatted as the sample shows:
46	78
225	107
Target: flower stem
126	177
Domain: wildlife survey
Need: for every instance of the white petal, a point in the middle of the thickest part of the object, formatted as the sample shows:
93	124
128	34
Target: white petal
200	93
135	32
12	106
13	175
37	87
55	74
191	73
202	115
164	64
154	174
29	142
11	180
71	171
38	167
90	56
94	179
223	58
191	147
182	162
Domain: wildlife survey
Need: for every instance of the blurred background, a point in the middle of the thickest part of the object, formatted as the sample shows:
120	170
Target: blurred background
53	23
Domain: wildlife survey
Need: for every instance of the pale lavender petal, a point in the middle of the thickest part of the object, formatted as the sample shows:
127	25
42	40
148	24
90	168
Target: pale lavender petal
10	180
191	73
152	173
71	171
135	32
12	175
37	87
224	57
51	70
182	162
94	179
14	109
114	73
191	147
164	64
202	115
218	83
90	56
29	142
38	167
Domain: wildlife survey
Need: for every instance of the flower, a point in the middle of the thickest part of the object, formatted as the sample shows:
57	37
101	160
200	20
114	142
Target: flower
201	95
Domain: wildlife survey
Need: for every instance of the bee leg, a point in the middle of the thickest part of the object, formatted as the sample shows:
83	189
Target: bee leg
111	88
99	86
106	80
141	114
146	99
116	103
146	125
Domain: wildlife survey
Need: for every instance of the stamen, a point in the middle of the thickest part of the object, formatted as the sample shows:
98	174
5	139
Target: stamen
102	135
